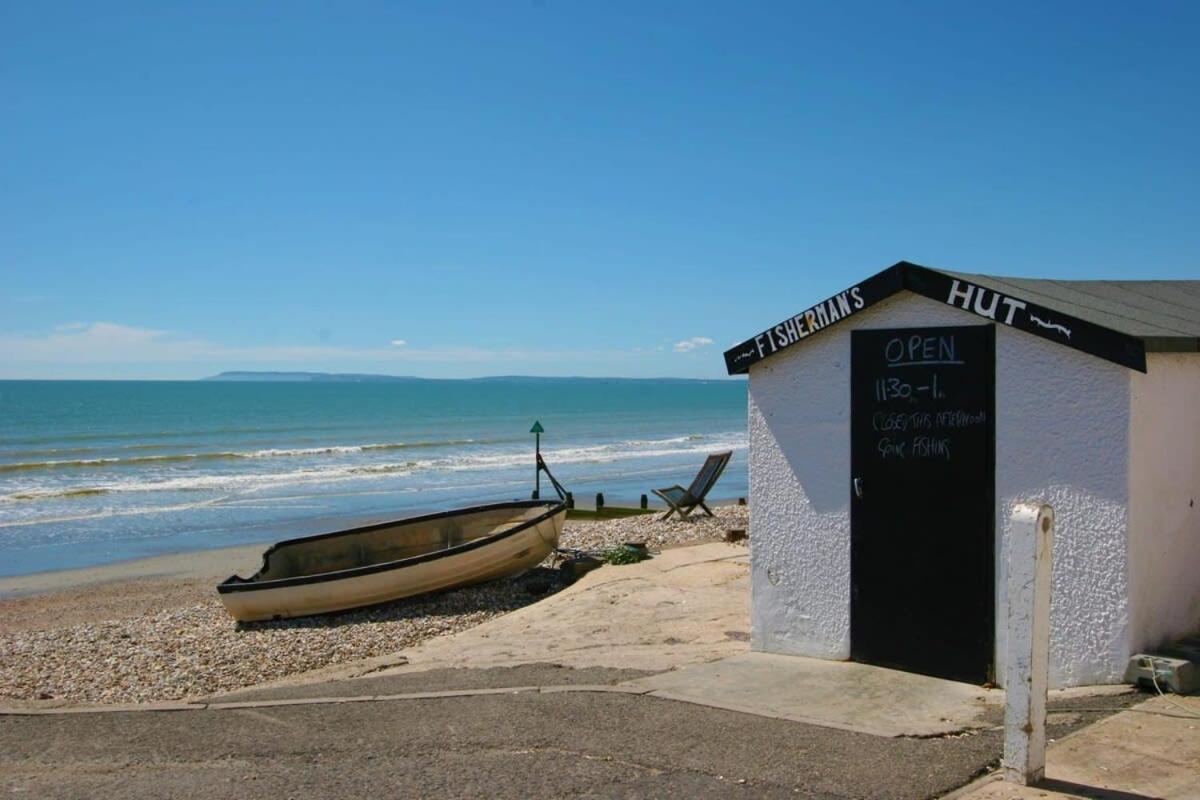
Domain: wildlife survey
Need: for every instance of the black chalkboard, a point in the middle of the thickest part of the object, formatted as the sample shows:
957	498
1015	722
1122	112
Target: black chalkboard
923	499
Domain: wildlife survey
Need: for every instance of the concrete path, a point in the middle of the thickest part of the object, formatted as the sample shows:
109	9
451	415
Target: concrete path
834	694
683	615
559	699
687	605
476	738
1151	751
680	619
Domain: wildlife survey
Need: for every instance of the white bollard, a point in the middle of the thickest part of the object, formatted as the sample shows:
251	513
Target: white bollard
1030	542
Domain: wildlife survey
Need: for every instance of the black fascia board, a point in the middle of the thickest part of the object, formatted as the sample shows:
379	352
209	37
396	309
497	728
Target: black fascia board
1004	309
811	321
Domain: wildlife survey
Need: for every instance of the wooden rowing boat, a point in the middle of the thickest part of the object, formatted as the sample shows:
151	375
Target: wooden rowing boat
390	560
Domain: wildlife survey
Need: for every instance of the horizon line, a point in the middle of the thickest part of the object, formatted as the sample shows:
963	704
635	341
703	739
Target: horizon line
210	378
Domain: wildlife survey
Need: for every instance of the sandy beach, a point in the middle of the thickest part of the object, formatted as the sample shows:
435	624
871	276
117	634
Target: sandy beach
49	600
154	629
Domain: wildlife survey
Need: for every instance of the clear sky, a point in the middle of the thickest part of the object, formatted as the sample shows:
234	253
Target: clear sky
559	188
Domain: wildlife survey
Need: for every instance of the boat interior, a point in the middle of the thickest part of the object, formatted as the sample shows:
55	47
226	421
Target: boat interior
405	539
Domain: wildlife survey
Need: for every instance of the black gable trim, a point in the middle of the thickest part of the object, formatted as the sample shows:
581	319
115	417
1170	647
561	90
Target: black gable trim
1087	337
813	320
1119	348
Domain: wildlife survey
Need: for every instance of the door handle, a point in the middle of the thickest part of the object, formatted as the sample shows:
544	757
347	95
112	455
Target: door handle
858	488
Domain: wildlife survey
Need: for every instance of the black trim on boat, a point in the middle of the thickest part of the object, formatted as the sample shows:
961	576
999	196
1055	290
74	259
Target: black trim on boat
235	583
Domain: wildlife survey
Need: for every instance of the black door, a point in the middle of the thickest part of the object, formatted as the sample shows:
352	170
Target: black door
922	509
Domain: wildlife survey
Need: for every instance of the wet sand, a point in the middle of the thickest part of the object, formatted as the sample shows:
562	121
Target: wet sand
47	600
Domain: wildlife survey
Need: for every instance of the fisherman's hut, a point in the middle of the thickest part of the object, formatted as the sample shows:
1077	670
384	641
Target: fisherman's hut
894	426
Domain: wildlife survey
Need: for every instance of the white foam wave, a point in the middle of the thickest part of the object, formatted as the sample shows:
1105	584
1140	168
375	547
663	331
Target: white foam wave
164	458
241	484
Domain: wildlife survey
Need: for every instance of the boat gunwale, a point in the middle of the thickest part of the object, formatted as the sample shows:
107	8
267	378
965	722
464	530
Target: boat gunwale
236	583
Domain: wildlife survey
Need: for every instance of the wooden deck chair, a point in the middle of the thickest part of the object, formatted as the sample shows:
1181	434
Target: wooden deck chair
685	501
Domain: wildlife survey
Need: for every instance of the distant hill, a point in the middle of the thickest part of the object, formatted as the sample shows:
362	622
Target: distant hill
353	377
311	377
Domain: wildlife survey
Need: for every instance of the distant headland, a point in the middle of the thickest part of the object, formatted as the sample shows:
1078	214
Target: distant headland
355	377
311	377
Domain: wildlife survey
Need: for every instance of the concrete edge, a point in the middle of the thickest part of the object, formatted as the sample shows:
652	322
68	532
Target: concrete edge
666	694
350	670
118	708
1079	692
146	708
1095	690
619	688
974	786
627	688
455	693
234	705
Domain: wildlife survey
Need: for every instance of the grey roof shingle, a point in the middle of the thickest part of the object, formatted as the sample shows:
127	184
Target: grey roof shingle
1163	314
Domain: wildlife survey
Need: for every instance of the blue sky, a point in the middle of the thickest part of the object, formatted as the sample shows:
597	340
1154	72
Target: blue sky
558	188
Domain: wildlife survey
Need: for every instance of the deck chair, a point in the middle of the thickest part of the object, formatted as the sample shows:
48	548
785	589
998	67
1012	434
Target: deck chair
685	501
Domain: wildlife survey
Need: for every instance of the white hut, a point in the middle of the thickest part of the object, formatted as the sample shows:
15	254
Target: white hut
894	426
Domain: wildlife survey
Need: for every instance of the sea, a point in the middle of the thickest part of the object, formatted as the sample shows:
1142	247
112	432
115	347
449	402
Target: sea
95	472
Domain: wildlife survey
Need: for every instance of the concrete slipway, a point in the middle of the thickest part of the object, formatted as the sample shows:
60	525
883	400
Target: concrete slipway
684	616
671	629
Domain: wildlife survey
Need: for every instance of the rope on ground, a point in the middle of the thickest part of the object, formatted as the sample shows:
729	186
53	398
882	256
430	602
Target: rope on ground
1151	663
1157	688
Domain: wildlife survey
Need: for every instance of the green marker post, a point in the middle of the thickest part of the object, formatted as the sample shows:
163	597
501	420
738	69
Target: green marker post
537	430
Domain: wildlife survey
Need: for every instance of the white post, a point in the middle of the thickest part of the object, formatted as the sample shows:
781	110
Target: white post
1030	541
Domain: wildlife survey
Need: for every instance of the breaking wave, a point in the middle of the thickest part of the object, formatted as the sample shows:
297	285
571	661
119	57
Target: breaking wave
178	458
248	482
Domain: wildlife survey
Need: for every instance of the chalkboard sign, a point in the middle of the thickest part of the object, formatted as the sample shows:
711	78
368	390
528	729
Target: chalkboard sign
926	396
922	498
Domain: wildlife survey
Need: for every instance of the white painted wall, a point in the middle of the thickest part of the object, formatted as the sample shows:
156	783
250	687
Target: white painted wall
1164	507
1062	428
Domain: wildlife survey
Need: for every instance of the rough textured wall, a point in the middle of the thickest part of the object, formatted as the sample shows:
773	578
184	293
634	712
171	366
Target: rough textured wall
1164	503
1062	421
799	504
1062	438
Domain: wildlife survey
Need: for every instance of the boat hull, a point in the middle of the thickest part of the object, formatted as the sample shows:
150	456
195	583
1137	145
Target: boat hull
516	545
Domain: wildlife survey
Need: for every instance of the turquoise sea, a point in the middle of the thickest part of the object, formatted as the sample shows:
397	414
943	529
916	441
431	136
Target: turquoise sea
93	472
